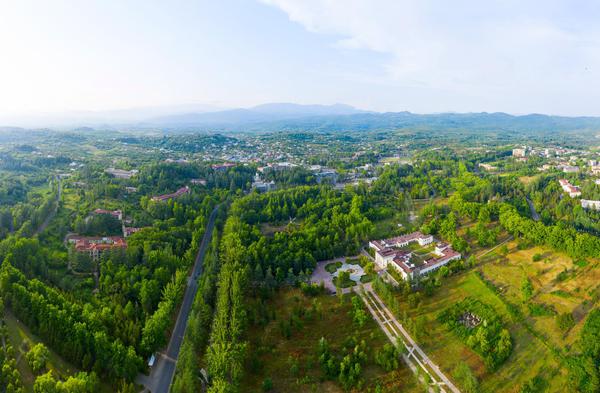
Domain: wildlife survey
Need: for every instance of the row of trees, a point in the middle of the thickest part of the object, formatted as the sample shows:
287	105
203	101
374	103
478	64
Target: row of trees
227	349
187	378
154	334
558	236
79	383
10	377
72	330
584	368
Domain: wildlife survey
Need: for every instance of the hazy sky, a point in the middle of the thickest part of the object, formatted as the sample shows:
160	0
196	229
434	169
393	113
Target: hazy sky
389	55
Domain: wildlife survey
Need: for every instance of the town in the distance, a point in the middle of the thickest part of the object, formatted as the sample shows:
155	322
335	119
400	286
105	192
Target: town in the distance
341	256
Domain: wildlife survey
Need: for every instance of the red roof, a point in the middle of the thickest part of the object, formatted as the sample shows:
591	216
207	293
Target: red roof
115	213
181	191
406	238
99	243
223	166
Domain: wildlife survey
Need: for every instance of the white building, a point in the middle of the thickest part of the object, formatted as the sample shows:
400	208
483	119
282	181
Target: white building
587	204
388	251
570	169
570	189
521	152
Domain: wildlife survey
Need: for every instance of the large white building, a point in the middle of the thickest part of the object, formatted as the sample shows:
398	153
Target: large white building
389	251
570	189
587	204
519	152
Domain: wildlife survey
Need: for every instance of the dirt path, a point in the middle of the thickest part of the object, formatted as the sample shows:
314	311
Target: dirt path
485	252
50	216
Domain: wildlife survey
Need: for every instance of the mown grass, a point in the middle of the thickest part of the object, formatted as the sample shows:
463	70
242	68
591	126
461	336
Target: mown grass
333	266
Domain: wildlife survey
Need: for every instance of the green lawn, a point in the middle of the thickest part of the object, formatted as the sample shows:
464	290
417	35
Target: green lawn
345	283
333	266
368	278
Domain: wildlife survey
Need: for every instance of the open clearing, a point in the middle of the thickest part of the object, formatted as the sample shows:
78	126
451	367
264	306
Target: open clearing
447	350
573	294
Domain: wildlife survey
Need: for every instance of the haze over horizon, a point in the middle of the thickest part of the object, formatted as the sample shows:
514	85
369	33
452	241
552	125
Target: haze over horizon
417	56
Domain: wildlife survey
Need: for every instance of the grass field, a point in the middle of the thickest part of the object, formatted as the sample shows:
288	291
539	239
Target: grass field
273	354
529	358
574	294
526	180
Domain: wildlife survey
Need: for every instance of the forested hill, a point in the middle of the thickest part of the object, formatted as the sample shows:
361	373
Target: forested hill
391	120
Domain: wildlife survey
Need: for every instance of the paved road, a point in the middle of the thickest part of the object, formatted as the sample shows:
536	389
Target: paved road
534	214
415	357
163	371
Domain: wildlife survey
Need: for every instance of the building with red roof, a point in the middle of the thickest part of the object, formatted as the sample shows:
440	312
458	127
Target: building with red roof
97	246
391	252
178	193
118	214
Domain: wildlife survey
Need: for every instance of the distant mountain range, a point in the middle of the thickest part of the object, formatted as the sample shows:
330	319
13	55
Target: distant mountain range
296	117
292	117
257	114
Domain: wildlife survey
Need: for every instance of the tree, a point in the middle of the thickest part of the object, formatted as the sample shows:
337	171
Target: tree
45	384
328	364
37	357
565	322
370	267
590	335
504	346
388	357
149	295
463	374
267	385
526	288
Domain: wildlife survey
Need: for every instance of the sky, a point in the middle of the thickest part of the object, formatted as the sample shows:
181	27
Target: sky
422	56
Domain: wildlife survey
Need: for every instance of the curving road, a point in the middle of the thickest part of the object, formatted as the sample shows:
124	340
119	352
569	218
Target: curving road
534	214
161	375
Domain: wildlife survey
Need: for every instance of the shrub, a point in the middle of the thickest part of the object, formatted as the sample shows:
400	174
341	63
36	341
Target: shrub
37	357
489	339
267	385
565	321
388	357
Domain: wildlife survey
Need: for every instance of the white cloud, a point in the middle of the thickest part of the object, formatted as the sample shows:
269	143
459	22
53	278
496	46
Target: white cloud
495	50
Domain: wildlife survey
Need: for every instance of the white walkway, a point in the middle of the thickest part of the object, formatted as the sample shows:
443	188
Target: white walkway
415	357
